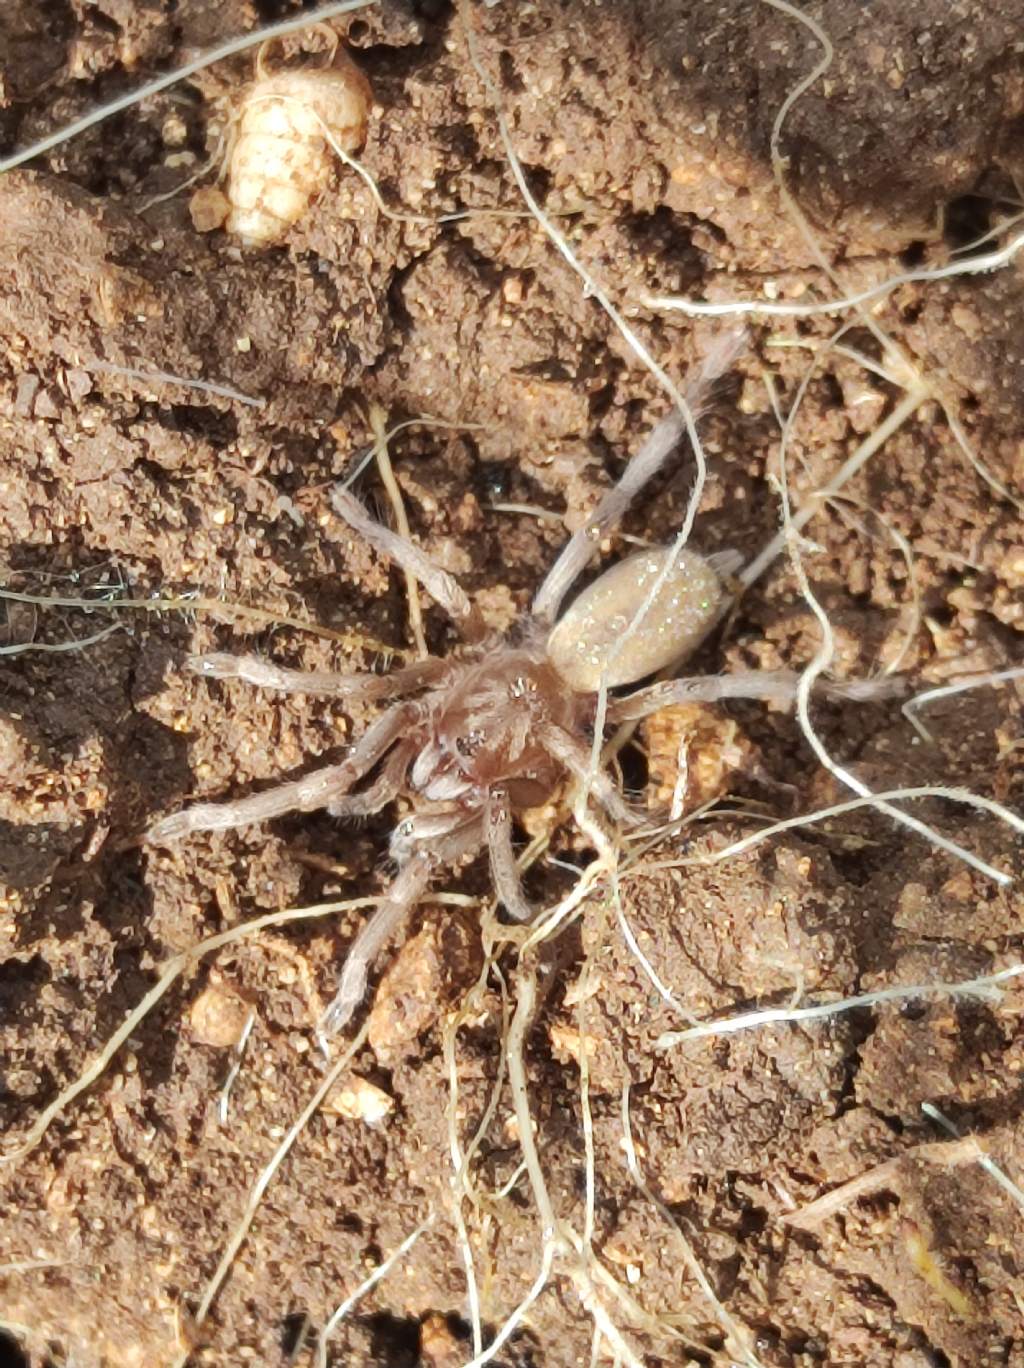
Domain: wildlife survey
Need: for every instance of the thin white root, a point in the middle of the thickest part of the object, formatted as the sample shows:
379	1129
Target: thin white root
558	1239
569	907
379	1273
424	420
238	1055
974	460
172	972
738	1337
985	1160
974	681
592	286
526	986
798	520
462	1188
987	988
56	647
167	378
403	216
238	1235
665	993
905	549
963	1150
881	801
204	168
586	1114
821	662
518	1315
789	538
387	476
198	603
738	308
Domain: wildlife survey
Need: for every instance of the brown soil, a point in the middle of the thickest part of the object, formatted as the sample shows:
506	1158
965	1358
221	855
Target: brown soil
650	120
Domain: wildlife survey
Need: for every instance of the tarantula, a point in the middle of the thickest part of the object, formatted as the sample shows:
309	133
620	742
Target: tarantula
491	731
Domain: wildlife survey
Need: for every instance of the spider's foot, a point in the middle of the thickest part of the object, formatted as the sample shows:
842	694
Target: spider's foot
351	991
202	817
215	665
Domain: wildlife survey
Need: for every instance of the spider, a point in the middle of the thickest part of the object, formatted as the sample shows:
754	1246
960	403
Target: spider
494	729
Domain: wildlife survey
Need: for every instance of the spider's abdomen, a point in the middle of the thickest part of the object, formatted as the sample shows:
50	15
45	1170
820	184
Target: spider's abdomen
590	640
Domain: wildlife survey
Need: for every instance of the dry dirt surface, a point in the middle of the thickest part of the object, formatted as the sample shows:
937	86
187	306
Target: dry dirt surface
644	129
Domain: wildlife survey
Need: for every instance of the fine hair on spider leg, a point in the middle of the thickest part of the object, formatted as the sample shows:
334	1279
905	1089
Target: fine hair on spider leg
451	839
324	683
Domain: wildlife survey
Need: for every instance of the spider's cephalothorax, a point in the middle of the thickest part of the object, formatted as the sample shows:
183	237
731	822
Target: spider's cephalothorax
495	731
488	731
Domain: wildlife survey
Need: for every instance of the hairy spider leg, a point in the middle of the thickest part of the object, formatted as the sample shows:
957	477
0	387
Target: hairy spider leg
407	887
774	686
385	788
313	791
442	587
655	451
362	687
505	874
576	759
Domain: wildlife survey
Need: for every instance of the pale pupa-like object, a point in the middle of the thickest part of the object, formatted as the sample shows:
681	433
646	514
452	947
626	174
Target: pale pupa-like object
281	156
583	643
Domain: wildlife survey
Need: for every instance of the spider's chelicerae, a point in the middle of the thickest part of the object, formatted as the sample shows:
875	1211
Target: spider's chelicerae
492	730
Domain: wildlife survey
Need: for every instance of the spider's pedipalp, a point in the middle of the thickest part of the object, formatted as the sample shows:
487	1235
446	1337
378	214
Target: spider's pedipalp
384	790
412	832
